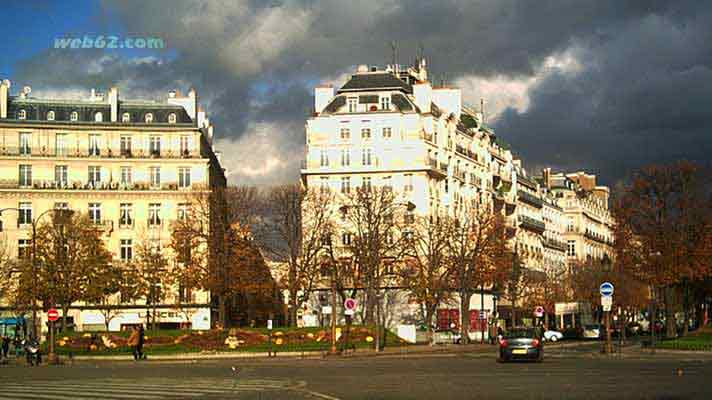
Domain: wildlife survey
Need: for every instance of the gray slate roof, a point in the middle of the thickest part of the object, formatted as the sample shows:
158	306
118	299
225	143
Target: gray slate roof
370	81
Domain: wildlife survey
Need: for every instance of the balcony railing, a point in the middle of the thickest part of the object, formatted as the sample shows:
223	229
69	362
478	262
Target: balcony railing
596	237
103	185
554	244
532	224
530	199
88	152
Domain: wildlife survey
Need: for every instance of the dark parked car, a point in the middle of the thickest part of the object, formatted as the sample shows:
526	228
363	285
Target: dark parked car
521	344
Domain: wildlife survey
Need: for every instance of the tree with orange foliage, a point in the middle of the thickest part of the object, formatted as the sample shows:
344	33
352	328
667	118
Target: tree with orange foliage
479	256
664	220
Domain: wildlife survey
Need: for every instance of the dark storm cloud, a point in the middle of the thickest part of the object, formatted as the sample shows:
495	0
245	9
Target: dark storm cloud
639	94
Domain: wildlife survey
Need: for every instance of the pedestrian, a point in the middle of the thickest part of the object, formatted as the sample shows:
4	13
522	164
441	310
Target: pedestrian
141	339
5	346
133	342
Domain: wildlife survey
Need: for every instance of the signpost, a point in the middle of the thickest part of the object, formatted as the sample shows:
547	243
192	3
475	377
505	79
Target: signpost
606	290
52	316
350	306
539	311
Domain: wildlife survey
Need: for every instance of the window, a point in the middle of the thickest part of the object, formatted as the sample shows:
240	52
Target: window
185	145
345	185
25	144
94	145
60	175
126	250
98	117
50	115
62	205
353	103
126	175
25	214
365	133
125	214
25	175
154	145
345	133
366	184
183	210
94	174
125	146
148	118
408	187
155	174
125	117
386	132
324	184
154	214
387	185
366	157
571	248
60	144
346	239
74	116
22	114
345	157
409	218
172	118
184	293
95	213
324	158
385	103
24	249
184	177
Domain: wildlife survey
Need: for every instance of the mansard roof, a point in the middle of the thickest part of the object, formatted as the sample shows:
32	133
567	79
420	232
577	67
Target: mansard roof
378	81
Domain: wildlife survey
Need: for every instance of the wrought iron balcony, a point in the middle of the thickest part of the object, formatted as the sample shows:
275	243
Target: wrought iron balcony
530	199
531	224
94	152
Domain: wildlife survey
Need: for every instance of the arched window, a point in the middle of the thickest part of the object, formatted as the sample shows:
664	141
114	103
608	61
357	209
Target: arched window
50	115
148	118
172	118
22	114
98	117
126	117
74	116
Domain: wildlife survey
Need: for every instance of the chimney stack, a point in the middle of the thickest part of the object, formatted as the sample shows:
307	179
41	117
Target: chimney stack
4	95
114	103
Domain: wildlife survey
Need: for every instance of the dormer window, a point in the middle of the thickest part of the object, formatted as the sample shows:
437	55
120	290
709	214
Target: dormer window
172	118
50	115
22	114
98	117
148	118
125	117
74	116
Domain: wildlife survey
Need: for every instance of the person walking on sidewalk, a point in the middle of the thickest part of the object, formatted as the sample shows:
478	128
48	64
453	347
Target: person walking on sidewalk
136	342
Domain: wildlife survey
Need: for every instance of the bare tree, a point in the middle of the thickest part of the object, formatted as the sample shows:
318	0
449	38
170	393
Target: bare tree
427	264
293	227
478	254
151	276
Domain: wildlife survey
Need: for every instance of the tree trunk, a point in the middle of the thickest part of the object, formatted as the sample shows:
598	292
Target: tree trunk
370	306
222	318
65	310
514	312
670	328
293	289
465	317
686	308
429	311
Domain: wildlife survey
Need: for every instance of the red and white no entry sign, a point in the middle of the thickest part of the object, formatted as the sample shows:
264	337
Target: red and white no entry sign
539	311
350	304
52	314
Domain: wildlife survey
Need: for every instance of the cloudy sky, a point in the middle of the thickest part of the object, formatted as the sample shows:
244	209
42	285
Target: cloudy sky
603	85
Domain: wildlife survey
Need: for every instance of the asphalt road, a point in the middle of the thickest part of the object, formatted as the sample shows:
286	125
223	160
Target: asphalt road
563	375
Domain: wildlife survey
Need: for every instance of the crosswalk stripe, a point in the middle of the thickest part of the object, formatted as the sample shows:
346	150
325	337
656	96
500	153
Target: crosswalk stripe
135	392
53	396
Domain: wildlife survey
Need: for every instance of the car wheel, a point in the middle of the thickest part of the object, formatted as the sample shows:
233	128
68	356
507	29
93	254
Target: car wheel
553	339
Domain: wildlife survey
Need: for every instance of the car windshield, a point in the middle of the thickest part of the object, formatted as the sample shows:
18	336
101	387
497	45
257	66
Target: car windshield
520	333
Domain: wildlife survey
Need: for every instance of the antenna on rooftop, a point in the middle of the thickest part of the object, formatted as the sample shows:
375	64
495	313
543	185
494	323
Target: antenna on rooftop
394	54
482	108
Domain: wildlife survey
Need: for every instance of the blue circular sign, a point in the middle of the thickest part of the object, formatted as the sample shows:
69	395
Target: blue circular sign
606	289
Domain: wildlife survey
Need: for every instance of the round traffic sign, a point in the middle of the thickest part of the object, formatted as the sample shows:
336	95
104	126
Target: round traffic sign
52	314
350	304
606	289
539	311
